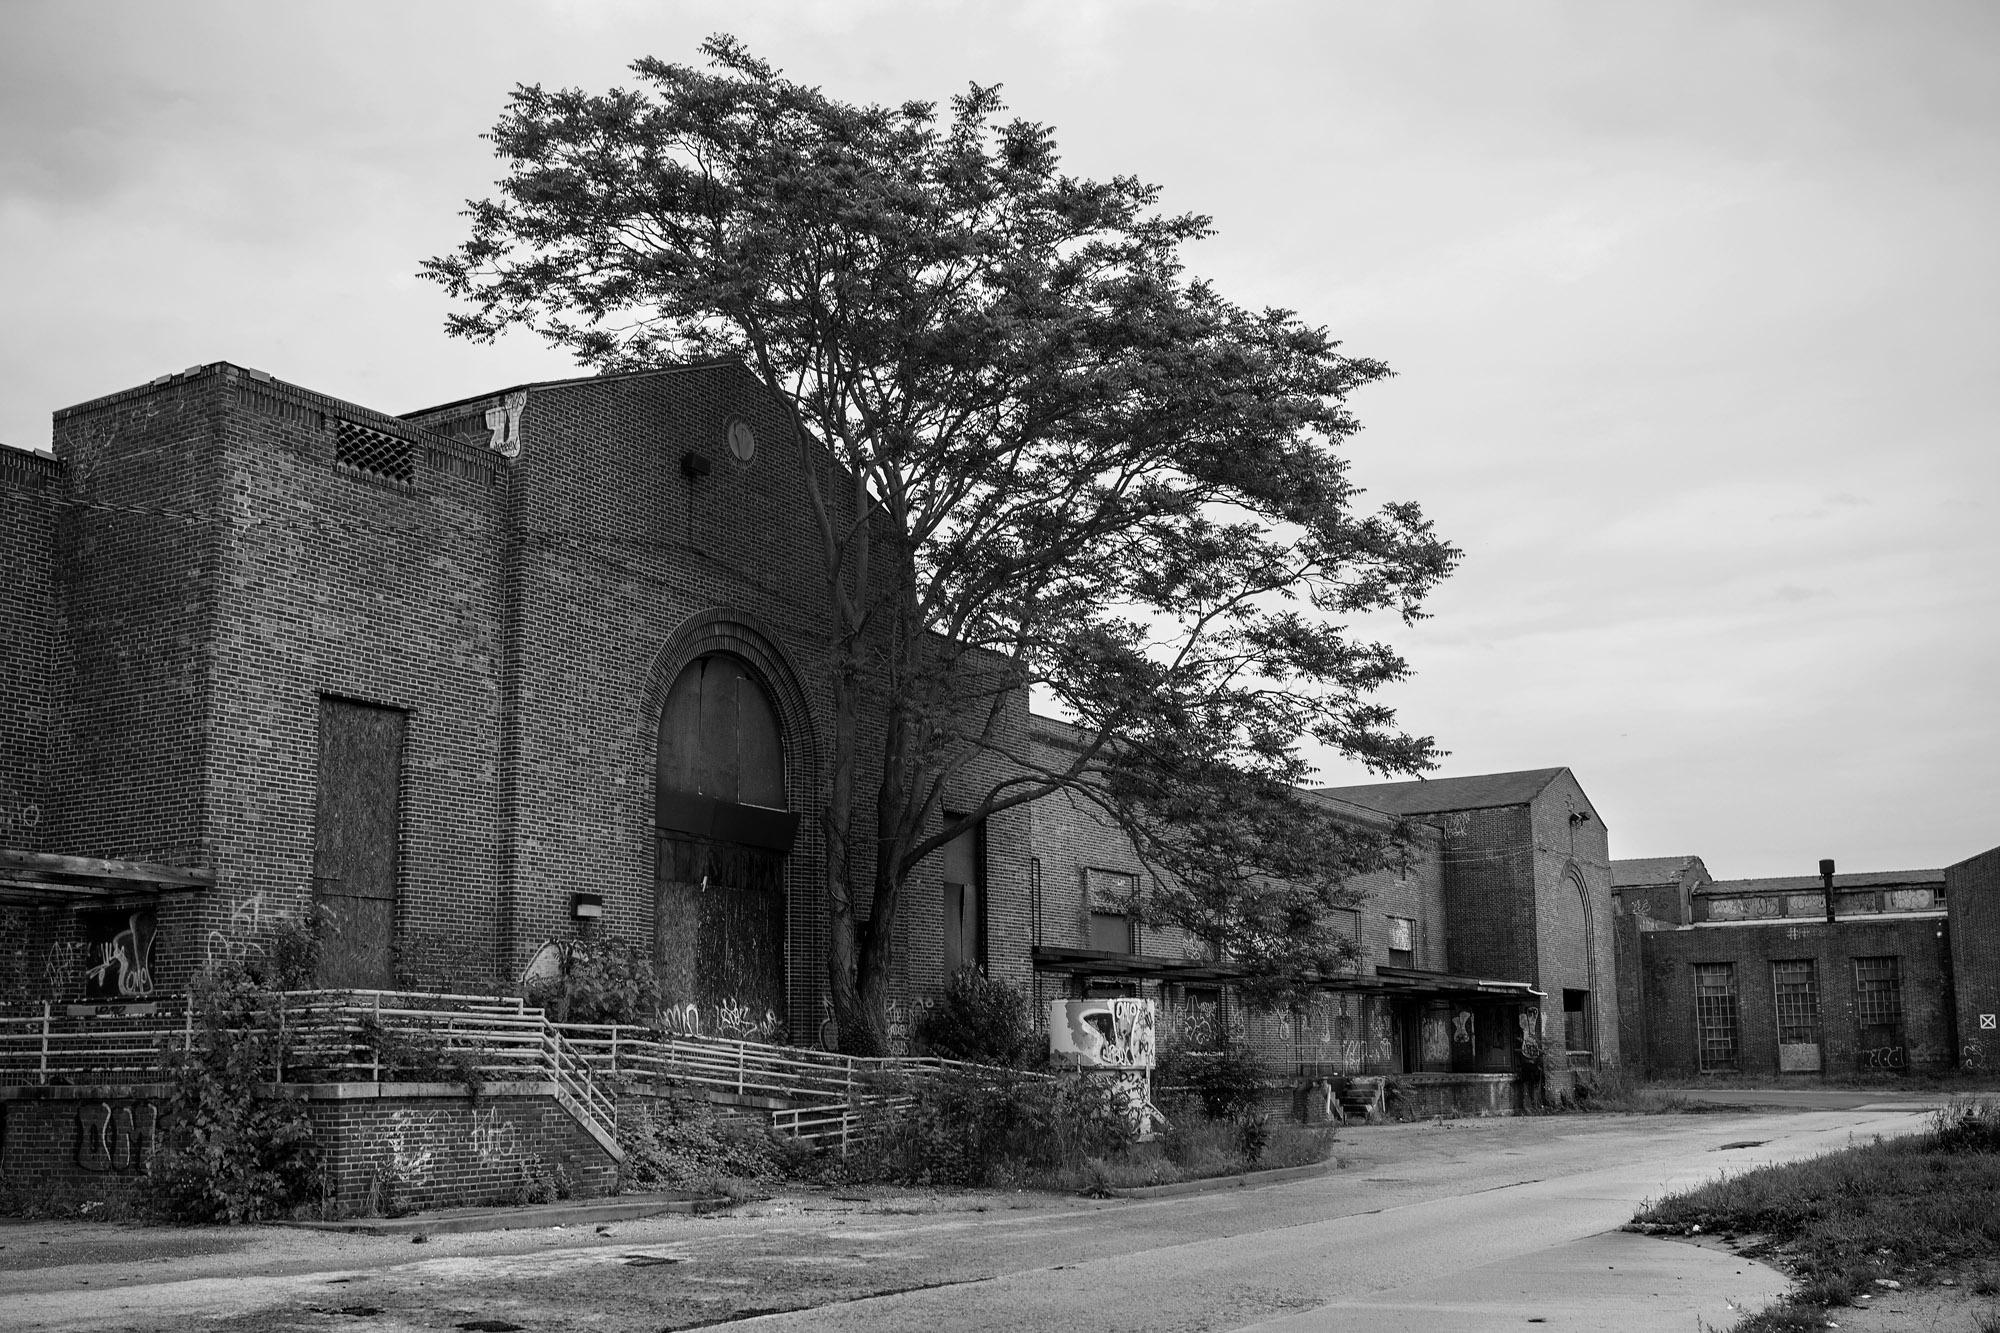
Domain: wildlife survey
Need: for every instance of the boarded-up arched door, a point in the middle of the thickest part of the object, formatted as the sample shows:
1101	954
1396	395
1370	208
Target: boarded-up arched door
719	934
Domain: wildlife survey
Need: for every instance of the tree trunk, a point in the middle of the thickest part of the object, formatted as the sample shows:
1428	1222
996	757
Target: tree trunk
857	1030
891	839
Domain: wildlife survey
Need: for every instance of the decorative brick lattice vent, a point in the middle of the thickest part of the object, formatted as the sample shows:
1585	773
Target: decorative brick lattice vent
373	452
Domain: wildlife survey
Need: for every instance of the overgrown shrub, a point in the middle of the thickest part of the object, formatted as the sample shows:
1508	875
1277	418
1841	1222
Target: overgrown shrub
607	982
976	1019
965	1125
684	1144
227	1153
1222	1084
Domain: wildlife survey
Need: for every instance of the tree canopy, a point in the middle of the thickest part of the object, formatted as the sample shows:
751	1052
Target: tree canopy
1066	466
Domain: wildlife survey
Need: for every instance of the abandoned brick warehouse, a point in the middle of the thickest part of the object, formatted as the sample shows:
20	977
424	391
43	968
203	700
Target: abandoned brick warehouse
552	662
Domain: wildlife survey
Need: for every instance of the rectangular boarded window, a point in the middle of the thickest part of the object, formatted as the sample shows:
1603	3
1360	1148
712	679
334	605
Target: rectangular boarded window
1402	941
1715	1015
1110	899
357	833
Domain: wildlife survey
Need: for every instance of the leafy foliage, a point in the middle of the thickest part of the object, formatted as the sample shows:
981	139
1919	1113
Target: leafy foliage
684	1143
978	1019
1063	464
1221	1084
608	982
232	1151
964	1126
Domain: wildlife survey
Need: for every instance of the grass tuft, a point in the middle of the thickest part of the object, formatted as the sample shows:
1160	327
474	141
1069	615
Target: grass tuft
1915	1208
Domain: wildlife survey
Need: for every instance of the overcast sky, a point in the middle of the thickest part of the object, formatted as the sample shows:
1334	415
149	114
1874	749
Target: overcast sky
1692	309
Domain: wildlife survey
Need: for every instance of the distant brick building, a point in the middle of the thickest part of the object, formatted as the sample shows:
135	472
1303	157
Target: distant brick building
1783	976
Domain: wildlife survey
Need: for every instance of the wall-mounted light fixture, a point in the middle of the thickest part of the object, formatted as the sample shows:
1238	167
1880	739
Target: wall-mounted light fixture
586	906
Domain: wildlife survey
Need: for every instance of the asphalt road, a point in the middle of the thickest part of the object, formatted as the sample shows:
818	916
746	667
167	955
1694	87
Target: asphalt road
1439	1226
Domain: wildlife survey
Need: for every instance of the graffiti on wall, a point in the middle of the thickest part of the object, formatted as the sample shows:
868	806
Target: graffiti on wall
1531	1034
1461	1028
236	937
121	945
1883	1057
1437	1039
726	1018
1103	1034
116	1136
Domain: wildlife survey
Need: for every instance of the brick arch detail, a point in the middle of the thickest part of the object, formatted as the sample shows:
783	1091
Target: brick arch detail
1572	876
740	634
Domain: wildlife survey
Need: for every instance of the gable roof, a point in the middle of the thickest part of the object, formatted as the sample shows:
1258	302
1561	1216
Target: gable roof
1430	796
1641	870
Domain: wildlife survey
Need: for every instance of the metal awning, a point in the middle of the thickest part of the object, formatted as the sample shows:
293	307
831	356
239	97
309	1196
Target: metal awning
1391	980
42	878
1129	966
1445	983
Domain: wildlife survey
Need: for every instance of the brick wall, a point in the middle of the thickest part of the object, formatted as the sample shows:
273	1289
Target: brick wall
1972	895
1573	937
1669	958
339	582
406	1146
29	495
439	1148
1489	892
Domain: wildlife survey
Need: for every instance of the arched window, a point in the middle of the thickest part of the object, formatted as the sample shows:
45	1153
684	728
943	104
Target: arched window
722	758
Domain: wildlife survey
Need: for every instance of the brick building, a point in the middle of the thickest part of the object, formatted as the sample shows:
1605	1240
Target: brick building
454	680
1526	876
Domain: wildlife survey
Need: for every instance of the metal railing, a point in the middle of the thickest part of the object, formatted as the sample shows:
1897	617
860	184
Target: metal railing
325	1036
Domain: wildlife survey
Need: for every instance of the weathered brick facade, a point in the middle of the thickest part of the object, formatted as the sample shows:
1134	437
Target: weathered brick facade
1973	891
386	1147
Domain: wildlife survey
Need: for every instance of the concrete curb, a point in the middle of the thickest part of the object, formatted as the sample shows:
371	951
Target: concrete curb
1244	1180
586	1213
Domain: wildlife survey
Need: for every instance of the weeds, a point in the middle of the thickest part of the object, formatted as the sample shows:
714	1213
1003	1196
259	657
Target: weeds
1919	1208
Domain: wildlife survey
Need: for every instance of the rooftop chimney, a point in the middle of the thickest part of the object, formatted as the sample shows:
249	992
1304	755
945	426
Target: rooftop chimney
1826	879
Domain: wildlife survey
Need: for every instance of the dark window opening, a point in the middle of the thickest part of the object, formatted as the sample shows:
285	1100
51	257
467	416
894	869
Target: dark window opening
1576	1021
965	900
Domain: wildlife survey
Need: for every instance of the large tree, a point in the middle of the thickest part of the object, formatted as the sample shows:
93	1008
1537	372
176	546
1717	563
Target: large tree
1065	466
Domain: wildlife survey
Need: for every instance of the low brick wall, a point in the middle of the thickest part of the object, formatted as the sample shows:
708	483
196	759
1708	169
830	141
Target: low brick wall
1422	1095
429	1145
388	1145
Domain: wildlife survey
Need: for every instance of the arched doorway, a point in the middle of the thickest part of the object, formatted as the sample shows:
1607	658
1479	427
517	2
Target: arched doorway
724	832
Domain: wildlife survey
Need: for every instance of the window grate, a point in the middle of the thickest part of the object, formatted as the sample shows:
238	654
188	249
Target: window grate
1878	992
1715	1014
373	452
1797	987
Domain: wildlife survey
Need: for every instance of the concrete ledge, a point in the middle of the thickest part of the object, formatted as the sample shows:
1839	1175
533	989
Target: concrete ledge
1211	1184
588	1212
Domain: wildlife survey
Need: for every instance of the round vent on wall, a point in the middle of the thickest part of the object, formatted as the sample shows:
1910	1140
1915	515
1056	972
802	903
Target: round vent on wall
742	441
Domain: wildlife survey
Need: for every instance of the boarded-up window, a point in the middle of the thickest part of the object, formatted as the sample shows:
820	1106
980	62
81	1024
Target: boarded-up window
1110	922
719	736
964	942
355	852
1402	941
